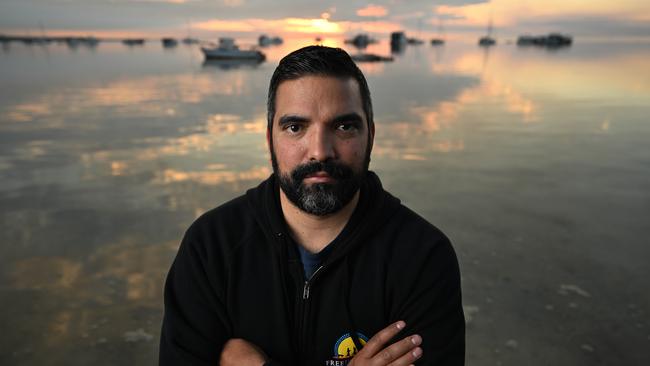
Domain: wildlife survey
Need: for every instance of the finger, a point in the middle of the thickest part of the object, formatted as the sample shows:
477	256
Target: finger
408	358
398	350
377	342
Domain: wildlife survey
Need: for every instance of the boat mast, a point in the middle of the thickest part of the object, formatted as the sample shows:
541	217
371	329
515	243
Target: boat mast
489	30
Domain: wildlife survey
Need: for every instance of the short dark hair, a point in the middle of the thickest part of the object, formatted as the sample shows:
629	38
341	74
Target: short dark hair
318	61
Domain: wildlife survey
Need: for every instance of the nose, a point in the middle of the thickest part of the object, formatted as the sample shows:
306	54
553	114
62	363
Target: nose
321	145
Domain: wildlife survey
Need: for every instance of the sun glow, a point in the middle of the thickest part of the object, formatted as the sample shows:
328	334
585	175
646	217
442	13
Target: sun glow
290	25
301	25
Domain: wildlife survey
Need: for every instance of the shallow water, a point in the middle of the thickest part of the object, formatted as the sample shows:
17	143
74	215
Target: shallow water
536	163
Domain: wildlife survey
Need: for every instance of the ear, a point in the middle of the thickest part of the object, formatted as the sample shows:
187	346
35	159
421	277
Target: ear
371	136
269	143
268	137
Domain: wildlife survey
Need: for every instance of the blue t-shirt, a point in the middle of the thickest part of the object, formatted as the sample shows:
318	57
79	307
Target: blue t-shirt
311	261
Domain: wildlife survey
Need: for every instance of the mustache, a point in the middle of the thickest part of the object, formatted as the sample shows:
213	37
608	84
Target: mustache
335	170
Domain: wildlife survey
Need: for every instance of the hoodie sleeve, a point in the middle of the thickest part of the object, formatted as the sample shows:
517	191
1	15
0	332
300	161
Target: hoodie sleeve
195	324
430	303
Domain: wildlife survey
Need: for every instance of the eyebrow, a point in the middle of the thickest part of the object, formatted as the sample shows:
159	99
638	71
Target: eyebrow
348	117
292	118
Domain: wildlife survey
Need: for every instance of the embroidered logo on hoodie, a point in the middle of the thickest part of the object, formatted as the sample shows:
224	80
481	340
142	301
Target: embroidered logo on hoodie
345	349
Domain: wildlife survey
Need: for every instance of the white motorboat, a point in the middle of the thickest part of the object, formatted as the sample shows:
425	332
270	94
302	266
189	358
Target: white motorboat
228	50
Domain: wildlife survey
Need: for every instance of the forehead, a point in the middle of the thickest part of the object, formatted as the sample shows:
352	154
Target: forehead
318	96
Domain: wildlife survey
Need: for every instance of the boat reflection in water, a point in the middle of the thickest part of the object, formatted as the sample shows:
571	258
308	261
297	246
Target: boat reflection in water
231	64
370	57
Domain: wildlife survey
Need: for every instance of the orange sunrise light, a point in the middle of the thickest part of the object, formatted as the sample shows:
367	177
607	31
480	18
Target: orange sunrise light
302	25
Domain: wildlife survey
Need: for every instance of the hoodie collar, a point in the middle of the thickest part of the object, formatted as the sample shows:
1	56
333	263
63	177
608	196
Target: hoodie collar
375	206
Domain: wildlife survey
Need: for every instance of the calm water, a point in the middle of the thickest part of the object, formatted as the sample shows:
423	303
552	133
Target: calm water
536	164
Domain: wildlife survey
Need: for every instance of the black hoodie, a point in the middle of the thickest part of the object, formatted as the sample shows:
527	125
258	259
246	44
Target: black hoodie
238	274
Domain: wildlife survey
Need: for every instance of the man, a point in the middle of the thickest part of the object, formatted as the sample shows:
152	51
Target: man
304	267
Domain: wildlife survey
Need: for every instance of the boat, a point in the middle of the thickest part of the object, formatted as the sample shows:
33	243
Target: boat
189	40
169	42
487	40
361	40
557	40
74	42
552	40
228	50
438	41
398	42
416	41
265	40
133	41
398	38
90	41
370	57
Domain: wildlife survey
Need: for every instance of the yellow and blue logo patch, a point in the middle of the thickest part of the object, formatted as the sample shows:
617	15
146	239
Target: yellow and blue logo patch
345	347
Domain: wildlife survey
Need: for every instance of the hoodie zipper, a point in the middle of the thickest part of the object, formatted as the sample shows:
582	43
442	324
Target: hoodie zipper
304	314
306	287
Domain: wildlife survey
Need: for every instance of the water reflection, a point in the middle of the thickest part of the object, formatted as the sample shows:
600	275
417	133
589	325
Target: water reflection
212	177
107	156
232	64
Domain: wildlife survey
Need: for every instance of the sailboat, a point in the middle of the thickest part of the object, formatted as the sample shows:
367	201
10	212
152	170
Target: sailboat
487	40
438	41
416	40
189	40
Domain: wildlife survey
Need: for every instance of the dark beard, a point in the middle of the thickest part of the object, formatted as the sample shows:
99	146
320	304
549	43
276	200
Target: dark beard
320	199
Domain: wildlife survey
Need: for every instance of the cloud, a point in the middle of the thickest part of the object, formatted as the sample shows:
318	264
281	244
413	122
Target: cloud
166	1
291	25
508	13
232	25
372	11
625	17
233	3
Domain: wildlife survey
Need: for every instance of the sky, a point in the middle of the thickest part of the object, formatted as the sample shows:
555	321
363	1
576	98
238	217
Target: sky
209	19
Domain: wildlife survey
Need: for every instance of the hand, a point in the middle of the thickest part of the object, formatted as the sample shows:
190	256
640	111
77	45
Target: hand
403	352
238	352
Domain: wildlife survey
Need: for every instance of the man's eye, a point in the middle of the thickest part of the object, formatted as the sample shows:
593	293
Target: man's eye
293	128
346	127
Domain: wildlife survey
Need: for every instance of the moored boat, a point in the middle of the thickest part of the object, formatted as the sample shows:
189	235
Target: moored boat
189	40
551	40
169	42
228	50
265	40
361	40
440	40
133	41
487	40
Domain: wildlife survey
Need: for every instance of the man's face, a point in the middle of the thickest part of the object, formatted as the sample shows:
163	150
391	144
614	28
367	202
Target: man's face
320	142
